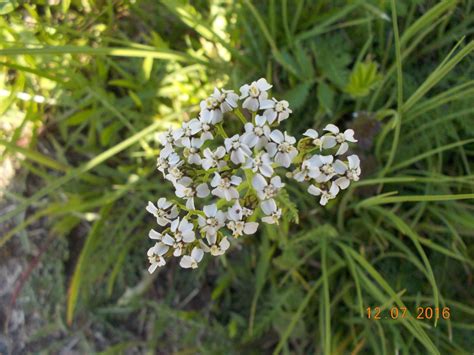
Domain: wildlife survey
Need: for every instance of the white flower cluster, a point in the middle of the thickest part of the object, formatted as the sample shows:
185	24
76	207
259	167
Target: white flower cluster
226	185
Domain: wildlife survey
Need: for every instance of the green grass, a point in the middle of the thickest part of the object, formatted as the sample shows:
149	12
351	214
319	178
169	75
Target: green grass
115	73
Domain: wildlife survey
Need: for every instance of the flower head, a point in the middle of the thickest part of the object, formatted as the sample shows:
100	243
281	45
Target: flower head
224	187
164	211
244	169
192	261
280	111
256	95
283	148
239	151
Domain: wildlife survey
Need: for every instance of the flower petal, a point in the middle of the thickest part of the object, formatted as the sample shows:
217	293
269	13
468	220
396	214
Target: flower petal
312	133
153	234
277	136
202	190
342	149
250	228
259	182
197	254
263	85
186	262
210	210
331	128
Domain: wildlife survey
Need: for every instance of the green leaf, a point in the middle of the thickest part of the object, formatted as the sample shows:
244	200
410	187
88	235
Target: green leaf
7	6
293	214
298	95
364	77
326	97
332	59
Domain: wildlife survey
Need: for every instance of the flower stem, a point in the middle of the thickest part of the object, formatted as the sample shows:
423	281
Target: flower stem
221	131
240	115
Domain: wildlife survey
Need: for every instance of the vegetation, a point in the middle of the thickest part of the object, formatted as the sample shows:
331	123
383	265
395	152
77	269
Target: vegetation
88	84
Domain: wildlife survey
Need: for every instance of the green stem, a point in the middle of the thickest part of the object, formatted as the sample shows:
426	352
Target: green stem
221	131
240	115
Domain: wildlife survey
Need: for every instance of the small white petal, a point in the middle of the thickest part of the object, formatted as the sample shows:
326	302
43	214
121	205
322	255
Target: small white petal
250	228
313	190
186	262
259	182
270	115
224	244
339	167
263	85
349	135
235	180
312	133
244	91
267	104
277	136
251	104
328	142
197	254
151	208
210	210
269	207
331	128
354	161
343	182
168	240
152	268
283	159
161	248
342	149
202	190
188	237
154	235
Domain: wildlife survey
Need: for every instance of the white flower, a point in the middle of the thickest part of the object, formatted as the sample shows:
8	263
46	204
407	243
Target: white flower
325	195
164	161
308	170
186	190
320	142
256	95
227	99
215	248
340	138
256	136
213	159
273	213
238	150
261	163
164	211
192	261
214	220
351	173
193	147
155	256
204	125
237	226
167	241
266	192
177	246
326	166
183	135
168	141
280	111
218	103
224	187
175	173
182	231
283	150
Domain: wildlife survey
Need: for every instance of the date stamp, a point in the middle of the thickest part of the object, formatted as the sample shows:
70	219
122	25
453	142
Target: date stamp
377	313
